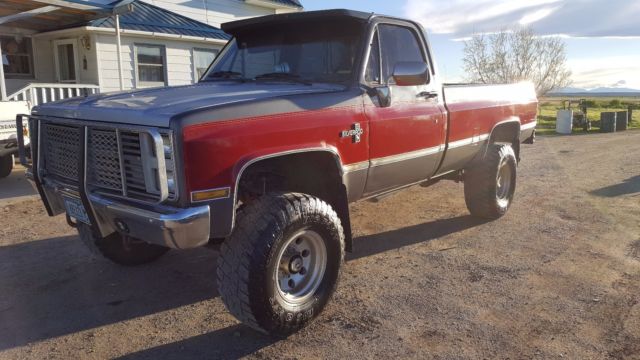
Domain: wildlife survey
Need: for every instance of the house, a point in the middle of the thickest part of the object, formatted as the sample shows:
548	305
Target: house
54	49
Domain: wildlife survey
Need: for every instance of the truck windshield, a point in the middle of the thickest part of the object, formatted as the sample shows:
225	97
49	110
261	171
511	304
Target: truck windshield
299	53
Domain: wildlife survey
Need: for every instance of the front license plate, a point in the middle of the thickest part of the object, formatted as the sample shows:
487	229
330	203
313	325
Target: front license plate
76	210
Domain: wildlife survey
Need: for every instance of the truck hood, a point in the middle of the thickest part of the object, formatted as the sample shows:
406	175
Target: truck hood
156	107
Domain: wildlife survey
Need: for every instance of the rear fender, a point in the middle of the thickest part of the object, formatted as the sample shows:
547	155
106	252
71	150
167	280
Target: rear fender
505	131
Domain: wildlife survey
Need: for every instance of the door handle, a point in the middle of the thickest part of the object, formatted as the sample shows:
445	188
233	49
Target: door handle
428	94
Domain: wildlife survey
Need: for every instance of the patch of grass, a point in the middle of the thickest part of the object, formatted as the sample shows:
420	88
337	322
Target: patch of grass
548	108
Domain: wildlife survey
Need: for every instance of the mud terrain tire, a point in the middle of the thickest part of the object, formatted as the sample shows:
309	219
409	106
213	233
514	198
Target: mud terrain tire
489	183
260	268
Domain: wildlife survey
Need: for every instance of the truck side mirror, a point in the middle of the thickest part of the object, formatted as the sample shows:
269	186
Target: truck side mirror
381	93
411	73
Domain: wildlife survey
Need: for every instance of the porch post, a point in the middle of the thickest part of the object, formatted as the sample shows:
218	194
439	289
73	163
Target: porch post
3	87
119	48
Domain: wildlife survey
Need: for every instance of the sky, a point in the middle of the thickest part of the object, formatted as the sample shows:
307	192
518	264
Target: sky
602	37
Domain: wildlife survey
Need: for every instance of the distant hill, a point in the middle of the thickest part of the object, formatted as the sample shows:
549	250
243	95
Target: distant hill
597	92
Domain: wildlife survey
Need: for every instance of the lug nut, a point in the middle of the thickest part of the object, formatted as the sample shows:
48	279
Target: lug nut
305	253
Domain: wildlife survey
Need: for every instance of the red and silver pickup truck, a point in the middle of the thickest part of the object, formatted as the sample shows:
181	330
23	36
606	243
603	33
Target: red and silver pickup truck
299	115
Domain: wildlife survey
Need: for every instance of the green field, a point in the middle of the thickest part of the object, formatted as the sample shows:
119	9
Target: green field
549	106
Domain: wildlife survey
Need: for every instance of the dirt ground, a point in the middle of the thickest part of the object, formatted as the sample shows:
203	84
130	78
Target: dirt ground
557	277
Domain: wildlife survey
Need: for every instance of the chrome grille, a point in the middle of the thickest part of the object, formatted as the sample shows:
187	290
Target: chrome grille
103	160
61	151
123	163
132	160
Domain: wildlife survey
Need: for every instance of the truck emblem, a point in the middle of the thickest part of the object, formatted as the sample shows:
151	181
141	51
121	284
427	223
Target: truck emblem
355	132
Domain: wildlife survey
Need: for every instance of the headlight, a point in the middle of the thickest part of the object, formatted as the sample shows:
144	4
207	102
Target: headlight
170	164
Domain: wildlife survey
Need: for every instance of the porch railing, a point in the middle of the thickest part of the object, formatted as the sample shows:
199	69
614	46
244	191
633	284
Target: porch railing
40	93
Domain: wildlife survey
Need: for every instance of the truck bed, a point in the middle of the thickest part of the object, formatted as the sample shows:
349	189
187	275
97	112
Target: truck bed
473	110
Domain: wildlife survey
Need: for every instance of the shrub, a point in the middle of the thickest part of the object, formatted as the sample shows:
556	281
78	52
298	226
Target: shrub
614	103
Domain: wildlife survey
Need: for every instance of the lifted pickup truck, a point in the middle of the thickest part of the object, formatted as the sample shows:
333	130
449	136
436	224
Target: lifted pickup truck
298	116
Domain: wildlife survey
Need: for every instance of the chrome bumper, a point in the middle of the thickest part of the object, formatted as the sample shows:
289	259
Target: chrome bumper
162	225
174	228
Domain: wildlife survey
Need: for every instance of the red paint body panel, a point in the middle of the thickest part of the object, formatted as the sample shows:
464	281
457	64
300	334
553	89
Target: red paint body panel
405	127
475	109
214	152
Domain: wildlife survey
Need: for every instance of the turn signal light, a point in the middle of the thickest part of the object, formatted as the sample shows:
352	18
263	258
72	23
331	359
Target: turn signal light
212	194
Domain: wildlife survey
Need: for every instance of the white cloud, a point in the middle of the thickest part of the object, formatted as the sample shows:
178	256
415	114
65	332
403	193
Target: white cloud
572	18
619	71
530	18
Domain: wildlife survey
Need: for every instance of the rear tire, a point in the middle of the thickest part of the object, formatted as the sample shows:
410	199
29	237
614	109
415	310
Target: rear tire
6	165
281	264
489	183
121	250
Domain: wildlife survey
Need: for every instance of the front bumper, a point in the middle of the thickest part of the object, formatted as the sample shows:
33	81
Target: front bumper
174	228
154	223
178	228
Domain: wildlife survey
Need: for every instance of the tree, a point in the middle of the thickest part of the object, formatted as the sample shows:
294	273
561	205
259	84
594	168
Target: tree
513	56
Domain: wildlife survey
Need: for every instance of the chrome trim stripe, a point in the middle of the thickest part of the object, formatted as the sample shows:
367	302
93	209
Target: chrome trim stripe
405	156
528	126
468	141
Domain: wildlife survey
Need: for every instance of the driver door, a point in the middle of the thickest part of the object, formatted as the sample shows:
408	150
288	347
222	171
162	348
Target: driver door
406	137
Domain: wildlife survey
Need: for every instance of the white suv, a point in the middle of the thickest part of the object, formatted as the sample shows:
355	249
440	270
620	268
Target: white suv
8	135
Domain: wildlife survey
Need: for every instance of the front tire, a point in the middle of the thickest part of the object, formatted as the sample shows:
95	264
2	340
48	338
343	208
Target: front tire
120	249
281	265
6	165
489	183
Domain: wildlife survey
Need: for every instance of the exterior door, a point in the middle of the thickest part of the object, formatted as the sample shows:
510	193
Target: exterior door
406	138
66	61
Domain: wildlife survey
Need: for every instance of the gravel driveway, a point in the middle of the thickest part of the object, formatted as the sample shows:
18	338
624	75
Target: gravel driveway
558	276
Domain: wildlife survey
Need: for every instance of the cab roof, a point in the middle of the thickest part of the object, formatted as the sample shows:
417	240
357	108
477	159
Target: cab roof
280	19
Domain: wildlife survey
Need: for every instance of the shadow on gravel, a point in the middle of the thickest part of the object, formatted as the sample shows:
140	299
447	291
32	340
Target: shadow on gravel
627	187
50	288
233	342
377	243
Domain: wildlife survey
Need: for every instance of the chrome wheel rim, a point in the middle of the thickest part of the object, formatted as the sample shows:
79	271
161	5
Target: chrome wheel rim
301	265
503	183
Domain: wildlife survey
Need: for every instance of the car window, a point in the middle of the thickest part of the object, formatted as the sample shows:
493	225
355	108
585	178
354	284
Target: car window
399	44
314	52
372	74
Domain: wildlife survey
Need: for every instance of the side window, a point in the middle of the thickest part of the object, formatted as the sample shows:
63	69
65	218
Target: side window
399	44
202	58
372	74
150	61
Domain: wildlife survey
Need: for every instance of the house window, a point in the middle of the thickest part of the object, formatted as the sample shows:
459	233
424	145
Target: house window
202	58
150	64
17	56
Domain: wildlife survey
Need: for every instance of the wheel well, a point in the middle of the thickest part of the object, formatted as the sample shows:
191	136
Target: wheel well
315	173
509	133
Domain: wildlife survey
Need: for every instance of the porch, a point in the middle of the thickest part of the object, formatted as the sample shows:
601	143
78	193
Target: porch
39	69
40	93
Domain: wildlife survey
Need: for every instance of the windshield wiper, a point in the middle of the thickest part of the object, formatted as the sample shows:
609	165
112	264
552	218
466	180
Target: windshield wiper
225	75
278	76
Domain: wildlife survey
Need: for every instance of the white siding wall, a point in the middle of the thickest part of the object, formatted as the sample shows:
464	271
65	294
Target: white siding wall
179	63
213	12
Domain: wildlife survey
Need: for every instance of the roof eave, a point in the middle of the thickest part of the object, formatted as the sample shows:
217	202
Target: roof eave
273	5
126	32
